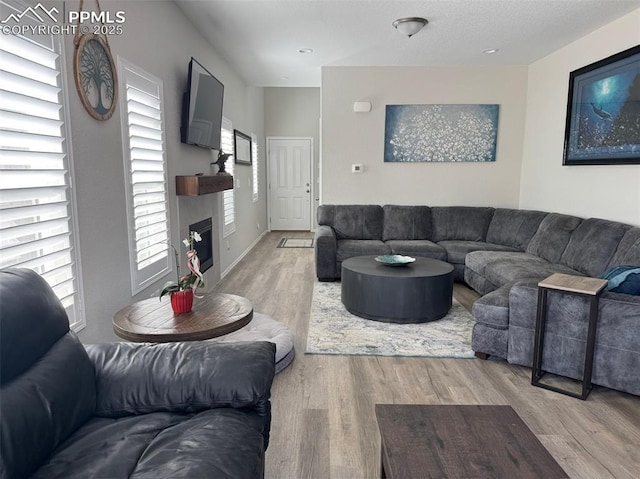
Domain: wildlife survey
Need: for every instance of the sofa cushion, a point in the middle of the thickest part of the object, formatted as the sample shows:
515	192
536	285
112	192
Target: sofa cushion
353	221
132	380
628	251
350	248
493	309
552	236
592	245
206	444
39	313
424	248
325	245
406	223
48	382
45	405
108	447
457	250
477	281
488	340
501	268
514	228
460	223
224	443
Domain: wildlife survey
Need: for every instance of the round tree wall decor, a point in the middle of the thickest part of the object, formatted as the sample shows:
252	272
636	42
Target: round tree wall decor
95	76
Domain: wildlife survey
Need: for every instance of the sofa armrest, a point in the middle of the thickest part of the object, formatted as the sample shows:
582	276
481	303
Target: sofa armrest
326	247
139	378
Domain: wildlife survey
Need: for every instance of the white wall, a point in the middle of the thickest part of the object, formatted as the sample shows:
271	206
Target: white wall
349	138
251	218
611	192
295	112
159	39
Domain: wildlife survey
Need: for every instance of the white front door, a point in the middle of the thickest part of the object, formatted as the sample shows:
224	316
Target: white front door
290	183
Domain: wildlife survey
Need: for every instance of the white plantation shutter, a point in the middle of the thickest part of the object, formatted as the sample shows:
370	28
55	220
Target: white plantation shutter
229	199
254	165
145	174
37	229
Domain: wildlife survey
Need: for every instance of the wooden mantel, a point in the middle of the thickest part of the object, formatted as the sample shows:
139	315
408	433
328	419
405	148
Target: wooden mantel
196	185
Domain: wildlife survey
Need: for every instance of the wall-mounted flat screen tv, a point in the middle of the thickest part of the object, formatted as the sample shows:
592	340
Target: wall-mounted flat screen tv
202	108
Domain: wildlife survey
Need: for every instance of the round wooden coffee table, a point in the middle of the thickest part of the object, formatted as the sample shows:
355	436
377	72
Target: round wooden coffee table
414	293
153	320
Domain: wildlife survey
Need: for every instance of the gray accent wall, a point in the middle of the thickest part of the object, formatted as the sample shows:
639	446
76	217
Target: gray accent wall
159	39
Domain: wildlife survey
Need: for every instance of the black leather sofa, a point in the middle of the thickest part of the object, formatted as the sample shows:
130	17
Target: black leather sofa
122	410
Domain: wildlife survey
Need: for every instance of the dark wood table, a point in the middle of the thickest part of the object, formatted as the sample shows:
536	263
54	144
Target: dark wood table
461	442
153	320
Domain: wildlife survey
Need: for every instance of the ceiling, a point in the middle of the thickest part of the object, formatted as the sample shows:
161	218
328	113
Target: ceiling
261	38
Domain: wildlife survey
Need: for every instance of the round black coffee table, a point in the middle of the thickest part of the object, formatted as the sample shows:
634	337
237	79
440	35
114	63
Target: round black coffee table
414	293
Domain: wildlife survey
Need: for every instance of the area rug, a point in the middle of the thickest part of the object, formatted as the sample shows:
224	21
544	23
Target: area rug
333	330
296	243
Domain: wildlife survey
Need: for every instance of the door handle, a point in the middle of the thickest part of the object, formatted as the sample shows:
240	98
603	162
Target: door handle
308	191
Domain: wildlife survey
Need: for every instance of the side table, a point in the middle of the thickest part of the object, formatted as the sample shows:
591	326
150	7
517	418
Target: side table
580	285
152	320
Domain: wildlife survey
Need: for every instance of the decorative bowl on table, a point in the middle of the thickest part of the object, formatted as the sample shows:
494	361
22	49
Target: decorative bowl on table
394	260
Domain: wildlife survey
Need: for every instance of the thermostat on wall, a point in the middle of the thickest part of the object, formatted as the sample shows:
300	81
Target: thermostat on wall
356	168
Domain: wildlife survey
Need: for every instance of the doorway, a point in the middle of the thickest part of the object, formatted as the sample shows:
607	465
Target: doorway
290	185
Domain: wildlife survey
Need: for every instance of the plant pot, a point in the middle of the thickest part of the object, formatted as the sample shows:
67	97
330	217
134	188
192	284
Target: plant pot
182	301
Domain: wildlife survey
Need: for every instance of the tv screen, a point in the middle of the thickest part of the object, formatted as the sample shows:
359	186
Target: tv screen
202	108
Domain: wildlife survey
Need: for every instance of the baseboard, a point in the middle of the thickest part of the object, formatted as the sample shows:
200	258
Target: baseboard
244	253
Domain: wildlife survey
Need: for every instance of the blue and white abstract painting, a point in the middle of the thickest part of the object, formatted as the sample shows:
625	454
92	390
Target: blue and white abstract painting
439	133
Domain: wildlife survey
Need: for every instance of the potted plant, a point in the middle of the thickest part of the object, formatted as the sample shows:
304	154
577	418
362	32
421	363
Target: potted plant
182	291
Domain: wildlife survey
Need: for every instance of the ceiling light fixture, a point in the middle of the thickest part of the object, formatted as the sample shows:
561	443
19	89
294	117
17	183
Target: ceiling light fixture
489	51
305	50
410	26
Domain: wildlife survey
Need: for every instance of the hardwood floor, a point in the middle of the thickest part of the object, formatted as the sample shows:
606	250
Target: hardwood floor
323	406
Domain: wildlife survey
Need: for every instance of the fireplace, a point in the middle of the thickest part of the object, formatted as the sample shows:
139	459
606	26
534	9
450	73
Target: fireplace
204	248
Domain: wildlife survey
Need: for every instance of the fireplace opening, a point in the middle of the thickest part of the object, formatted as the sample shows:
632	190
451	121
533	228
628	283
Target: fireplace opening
204	248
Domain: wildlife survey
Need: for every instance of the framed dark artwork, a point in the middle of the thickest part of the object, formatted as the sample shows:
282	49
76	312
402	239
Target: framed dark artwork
95	76
440	133
242	148
603	112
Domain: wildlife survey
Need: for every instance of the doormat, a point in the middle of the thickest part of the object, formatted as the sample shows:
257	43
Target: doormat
296	243
333	330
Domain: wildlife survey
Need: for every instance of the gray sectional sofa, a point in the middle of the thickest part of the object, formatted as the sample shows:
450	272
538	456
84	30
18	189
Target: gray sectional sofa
503	254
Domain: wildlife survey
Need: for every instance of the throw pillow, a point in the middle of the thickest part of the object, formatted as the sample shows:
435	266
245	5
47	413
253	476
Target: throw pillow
623	279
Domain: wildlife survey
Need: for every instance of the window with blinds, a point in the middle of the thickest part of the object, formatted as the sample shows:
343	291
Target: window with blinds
229	198
37	208
254	166
145	174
